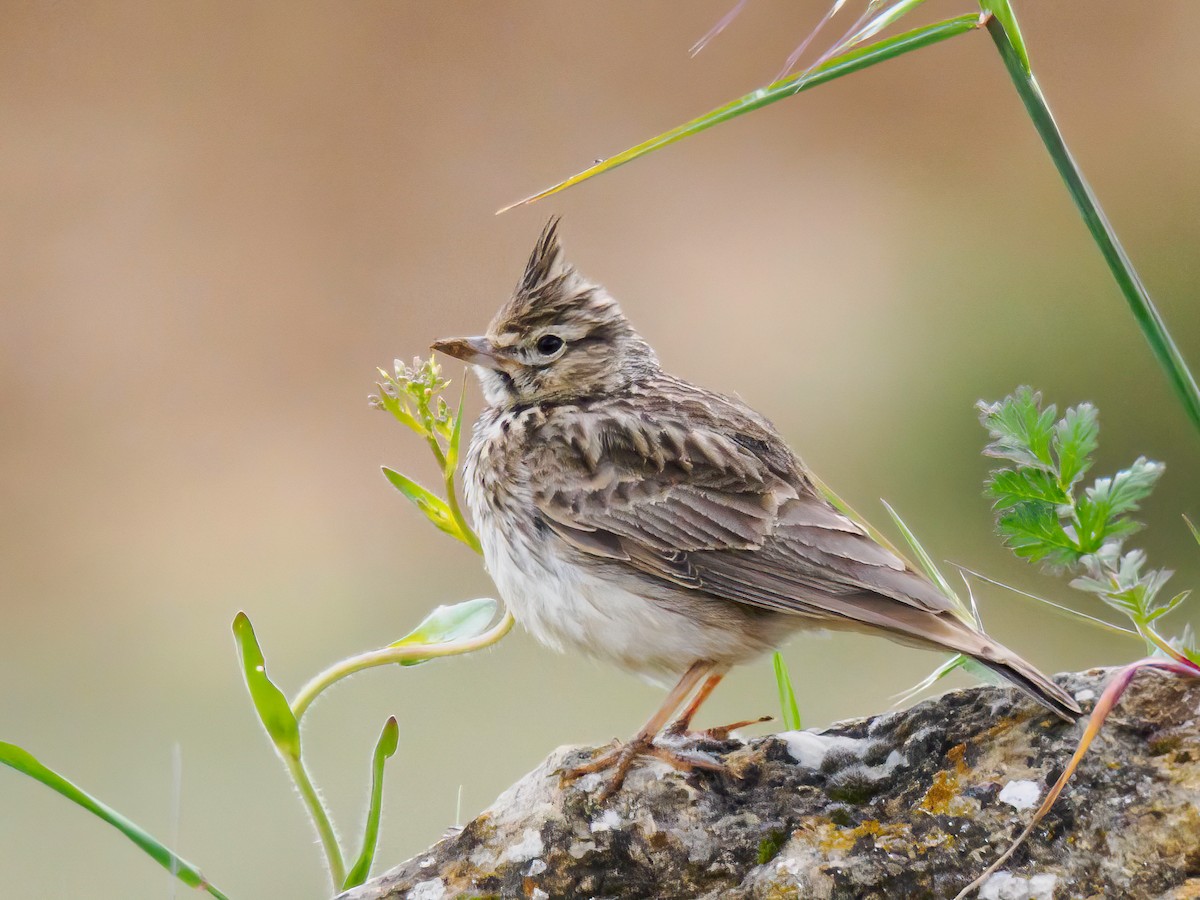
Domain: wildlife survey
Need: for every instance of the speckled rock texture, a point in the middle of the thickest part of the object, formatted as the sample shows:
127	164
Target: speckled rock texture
912	804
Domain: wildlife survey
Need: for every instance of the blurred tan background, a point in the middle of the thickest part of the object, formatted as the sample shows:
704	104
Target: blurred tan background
217	219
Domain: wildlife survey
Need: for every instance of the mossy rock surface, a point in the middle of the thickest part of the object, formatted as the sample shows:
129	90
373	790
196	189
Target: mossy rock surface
909	804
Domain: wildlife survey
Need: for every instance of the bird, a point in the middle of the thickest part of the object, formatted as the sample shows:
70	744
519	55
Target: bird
628	515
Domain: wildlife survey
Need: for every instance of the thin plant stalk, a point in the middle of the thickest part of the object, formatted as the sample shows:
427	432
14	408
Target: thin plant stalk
1002	26
395	655
1065	611
853	61
320	819
1154	639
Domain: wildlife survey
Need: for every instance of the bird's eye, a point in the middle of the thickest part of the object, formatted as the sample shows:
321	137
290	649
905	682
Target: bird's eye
549	344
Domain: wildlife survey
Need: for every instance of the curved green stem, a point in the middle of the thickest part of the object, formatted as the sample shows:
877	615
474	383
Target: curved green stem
320	819
387	656
438	453
1002	26
1157	640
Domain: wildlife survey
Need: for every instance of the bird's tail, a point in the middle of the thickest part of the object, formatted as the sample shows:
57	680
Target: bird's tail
1007	664
952	633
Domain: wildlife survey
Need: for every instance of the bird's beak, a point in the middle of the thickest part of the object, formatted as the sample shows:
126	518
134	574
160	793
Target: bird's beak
478	351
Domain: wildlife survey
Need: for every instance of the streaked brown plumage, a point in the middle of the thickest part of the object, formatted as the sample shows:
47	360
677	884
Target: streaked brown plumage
635	517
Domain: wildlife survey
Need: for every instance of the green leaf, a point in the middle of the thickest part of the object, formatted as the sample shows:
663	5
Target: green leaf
24	762
462	621
1020	429
980	672
1123	492
269	702
1119	582
1186	644
1076	437
1033	531
398	409
385	748
1012	486
1101	513
434	507
845	64
789	710
1169	606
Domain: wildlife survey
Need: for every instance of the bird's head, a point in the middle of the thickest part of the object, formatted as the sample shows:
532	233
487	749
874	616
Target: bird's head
559	338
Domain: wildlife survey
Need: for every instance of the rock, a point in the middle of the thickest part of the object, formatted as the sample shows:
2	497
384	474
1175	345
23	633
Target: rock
907	804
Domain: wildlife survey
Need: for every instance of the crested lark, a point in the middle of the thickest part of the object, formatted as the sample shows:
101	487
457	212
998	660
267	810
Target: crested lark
633	517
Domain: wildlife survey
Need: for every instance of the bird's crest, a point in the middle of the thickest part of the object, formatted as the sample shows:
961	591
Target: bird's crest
552	291
545	262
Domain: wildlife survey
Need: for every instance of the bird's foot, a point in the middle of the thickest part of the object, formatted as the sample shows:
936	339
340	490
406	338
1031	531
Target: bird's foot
621	757
680	731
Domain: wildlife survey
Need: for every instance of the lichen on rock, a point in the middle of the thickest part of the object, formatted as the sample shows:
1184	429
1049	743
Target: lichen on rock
911	804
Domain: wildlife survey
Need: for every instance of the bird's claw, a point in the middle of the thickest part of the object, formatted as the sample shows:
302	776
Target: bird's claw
680	730
621	757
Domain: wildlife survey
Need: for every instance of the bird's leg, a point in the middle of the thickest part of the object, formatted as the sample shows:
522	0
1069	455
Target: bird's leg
682	724
684	720
622	756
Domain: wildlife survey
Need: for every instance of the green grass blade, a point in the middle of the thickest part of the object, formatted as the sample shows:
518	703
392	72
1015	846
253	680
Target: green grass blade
850	513
1016	60
385	748
954	662
463	529
927	564
882	20
1057	608
845	64
269	702
27	764
1192	528
1002	10
789	710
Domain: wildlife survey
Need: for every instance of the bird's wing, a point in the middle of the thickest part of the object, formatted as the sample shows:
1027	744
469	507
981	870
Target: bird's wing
711	499
706	496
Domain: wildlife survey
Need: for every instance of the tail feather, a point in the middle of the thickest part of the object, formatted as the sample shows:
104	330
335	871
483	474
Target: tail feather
1033	683
955	634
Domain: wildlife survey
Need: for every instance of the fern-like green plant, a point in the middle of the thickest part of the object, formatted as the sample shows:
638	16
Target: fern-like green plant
1046	514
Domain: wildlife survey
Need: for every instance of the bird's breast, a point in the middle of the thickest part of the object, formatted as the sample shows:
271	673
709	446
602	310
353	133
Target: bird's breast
576	604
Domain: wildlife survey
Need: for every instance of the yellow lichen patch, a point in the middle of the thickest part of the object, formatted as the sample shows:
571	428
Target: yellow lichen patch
957	755
1003	724
832	839
780	891
944	797
844	838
